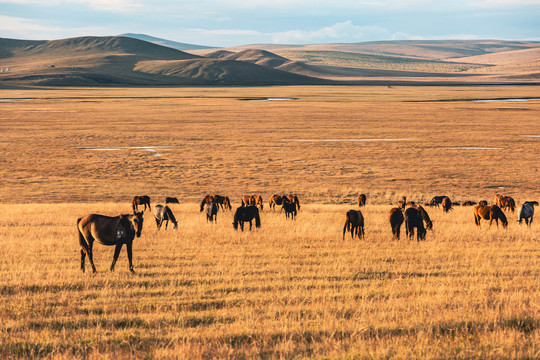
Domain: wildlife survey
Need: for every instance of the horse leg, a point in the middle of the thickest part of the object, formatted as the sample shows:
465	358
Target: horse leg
116	254
167	223
91	254
250	224
83	256
242	225
130	255
158	223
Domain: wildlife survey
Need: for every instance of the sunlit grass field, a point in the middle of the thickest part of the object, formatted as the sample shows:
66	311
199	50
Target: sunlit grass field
291	289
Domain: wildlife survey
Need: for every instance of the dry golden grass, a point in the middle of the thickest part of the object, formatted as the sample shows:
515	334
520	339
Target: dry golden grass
292	288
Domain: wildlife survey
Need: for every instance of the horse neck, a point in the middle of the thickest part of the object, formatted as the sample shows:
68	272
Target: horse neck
125	222
170	215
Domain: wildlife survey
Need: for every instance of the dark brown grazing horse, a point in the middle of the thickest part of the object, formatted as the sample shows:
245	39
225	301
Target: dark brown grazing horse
413	219
437	200
469	203
223	201
361	200
354	222
108	231
246	213
446	204
489	212
141	200
207	200
294	200
277	200
482	202
211	210
505	202
396	219
290	209
171	200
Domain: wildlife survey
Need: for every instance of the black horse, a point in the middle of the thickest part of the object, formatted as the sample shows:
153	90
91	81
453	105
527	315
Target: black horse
246	213
117	231
290	209
414	219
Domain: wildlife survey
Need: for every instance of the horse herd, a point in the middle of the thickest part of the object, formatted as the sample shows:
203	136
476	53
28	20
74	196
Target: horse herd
119	230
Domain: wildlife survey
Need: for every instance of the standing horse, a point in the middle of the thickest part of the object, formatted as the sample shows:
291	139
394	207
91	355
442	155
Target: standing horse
506	202
489	212
446	204
290	209
526	212
437	200
361	200
222	201
211	210
108	231
141	200
413	219
396	219
277	200
164	213
294	200
354	222
246	213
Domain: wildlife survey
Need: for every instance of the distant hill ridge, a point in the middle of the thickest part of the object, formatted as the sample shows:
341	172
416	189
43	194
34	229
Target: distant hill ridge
164	42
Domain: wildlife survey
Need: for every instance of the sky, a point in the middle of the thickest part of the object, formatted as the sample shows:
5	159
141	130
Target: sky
239	22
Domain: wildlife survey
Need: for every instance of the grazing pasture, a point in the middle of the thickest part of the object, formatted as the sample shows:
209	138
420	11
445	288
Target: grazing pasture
289	288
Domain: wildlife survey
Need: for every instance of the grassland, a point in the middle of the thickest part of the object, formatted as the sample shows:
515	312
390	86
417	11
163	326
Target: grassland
292	289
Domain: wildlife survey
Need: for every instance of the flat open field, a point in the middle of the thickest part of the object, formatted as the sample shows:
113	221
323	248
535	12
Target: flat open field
291	288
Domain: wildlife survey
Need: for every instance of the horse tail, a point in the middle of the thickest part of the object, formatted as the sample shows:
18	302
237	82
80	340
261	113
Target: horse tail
133	205
202	204
82	240
476	217
228	203
346	227
257	219
297	201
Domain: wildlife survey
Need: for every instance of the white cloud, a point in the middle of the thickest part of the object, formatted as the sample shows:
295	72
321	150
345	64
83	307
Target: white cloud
107	5
342	32
18	28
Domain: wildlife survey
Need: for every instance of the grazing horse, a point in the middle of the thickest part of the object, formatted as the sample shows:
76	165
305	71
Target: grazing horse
108	231
164	213
207	200
294	200
413	219
171	200
482	202
437	200
396	219
258	201
211	210
248	200
141	200
277	200
222	201
446	204
526	212
246	213
489	212
290	209
505	202
354	222
469	203
361	200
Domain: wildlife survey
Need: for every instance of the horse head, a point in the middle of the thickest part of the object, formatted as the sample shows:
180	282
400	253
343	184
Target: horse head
137	221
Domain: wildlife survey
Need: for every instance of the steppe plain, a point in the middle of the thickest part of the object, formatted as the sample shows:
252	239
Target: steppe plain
293	288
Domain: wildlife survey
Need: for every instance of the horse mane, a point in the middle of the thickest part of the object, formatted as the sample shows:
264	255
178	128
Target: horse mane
169	213
425	217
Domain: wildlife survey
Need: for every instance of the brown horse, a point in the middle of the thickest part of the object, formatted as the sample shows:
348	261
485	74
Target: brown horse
207	200
489	212
414	219
211	210
469	203
446	204
354	222
223	201
141	200
108	231
258	201
248	200
244	214
277	200
396	219
290	209
171	200
505	202
361	200
294	200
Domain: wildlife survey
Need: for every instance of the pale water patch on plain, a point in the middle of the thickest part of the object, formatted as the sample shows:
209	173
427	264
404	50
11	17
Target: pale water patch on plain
269	99
530	136
505	99
153	149
470	148
16	99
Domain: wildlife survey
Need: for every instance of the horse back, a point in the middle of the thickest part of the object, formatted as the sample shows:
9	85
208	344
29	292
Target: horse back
105	229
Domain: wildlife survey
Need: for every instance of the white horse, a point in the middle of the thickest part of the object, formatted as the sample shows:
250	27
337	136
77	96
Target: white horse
164	213
526	212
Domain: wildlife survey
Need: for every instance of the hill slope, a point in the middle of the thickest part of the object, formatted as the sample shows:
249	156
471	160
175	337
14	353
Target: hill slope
164	42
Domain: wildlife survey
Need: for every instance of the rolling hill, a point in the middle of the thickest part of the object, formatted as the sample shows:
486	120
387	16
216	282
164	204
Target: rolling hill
164	42
127	60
